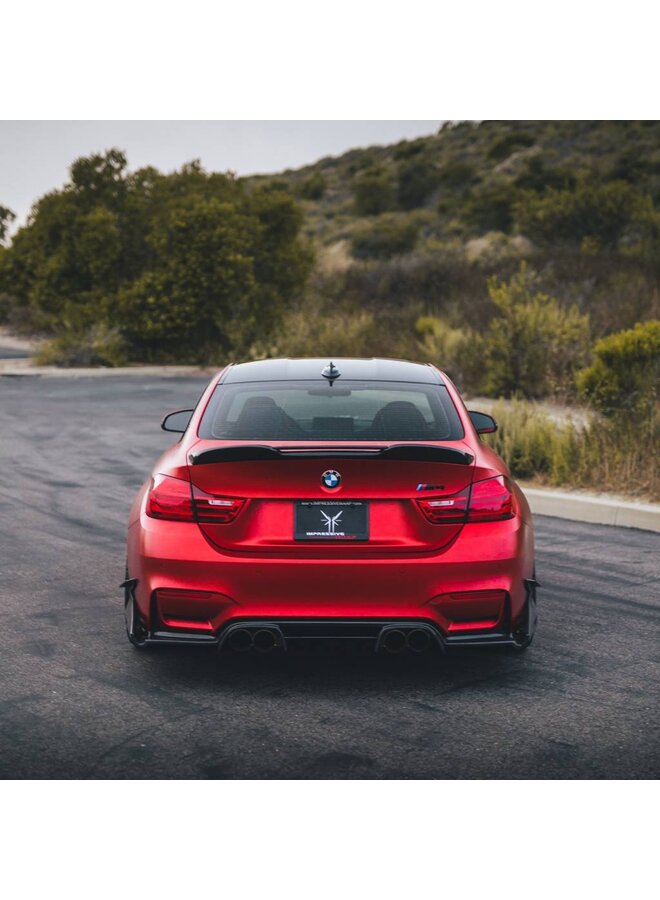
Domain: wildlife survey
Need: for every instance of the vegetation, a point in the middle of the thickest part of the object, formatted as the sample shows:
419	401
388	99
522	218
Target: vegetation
373	191
625	374
387	236
522	257
618	456
533	345
183	267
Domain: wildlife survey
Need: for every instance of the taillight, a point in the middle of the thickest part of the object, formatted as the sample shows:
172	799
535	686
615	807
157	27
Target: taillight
490	500
170	498
179	501
446	510
219	510
485	501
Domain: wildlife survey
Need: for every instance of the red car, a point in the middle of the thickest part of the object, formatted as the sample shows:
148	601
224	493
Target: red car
313	499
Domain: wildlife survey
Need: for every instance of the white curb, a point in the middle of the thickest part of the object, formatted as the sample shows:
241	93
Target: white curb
599	510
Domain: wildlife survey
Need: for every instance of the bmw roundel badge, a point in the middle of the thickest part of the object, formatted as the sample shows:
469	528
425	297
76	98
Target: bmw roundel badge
331	478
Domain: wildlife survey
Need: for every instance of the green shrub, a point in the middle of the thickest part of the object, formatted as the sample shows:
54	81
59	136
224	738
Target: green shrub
451	349
387	237
314	329
373	192
606	213
416	180
457	174
533	345
408	149
491	208
538	176
313	188
98	345
506	145
626	371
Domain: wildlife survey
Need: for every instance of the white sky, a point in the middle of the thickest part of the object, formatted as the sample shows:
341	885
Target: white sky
35	155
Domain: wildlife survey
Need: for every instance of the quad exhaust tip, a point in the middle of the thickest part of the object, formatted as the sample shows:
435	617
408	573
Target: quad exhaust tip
394	640
263	640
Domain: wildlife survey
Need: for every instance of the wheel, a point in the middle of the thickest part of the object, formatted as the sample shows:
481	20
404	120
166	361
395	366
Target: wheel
136	631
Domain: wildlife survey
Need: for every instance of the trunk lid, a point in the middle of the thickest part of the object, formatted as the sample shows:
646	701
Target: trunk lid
274	478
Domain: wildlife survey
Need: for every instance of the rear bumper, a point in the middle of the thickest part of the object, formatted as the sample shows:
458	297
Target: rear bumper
471	593
296	632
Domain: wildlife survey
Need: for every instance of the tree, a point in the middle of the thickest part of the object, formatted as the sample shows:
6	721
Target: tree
183	266
6	218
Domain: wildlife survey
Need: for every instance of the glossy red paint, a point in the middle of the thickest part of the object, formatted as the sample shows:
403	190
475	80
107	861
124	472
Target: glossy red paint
213	544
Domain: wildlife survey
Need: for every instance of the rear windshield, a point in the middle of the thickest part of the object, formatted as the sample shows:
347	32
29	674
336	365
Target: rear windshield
347	411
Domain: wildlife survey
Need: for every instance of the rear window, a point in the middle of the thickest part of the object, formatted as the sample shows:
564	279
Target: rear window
347	411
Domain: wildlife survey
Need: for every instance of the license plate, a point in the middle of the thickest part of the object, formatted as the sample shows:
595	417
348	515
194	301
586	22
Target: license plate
331	520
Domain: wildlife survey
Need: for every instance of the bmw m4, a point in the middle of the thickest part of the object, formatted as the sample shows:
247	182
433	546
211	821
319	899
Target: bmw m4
352	499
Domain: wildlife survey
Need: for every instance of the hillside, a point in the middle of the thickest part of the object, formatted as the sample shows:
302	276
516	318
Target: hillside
464	181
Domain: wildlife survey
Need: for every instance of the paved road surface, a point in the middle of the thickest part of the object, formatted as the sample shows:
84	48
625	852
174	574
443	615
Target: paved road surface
76	701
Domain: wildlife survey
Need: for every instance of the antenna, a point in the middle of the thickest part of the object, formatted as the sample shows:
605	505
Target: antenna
331	372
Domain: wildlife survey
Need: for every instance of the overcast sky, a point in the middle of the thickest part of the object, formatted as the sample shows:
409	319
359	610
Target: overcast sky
35	156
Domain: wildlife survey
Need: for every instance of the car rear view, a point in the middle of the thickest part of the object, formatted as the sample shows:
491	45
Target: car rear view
309	499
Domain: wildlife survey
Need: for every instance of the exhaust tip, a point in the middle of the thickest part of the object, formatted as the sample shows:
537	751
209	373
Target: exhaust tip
264	640
240	640
394	640
419	640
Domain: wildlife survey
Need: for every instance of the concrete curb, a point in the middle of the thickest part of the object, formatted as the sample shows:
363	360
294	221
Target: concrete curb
15	368
597	510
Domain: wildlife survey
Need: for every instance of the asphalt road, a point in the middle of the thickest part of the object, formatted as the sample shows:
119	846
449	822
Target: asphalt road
76	701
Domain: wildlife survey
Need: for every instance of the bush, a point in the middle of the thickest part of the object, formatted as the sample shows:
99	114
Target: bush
526	439
98	345
605	213
373	192
451	349
416	180
533	345
313	188
457	174
600	455
313	330
389	236
408	149
505	146
626	371
538	177
491	208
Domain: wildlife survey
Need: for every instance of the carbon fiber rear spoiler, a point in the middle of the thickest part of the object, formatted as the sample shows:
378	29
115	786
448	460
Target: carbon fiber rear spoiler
253	452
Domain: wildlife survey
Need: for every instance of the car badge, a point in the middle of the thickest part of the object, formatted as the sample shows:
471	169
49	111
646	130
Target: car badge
331	479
